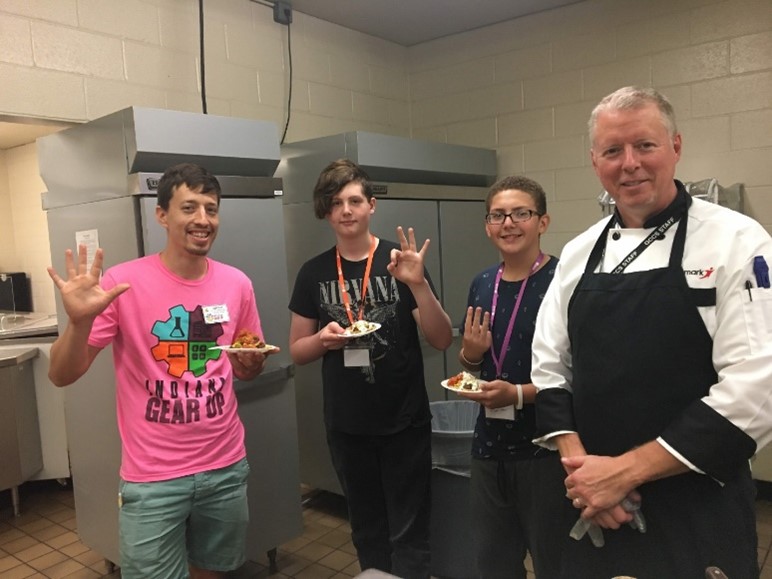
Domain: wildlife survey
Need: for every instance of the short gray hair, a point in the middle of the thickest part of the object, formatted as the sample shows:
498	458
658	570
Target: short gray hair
633	97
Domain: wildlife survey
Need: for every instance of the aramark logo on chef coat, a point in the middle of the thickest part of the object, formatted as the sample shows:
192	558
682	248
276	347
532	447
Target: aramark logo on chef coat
700	273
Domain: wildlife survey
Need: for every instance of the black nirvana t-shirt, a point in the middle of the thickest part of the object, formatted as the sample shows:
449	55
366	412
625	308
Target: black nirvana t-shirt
388	395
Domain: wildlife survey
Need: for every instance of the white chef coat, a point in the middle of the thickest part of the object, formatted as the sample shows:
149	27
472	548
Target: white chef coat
719	252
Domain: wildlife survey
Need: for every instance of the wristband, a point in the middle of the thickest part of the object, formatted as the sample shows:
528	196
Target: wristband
467	361
519	405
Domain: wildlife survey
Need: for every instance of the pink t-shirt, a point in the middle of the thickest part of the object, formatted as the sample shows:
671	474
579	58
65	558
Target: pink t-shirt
177	411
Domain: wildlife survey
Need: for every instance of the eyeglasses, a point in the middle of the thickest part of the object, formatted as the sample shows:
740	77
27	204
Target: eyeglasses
517	216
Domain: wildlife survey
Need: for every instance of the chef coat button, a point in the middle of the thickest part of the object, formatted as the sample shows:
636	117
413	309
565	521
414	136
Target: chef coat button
616	235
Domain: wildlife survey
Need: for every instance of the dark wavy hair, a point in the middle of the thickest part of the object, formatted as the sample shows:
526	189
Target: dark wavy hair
194	176
333	178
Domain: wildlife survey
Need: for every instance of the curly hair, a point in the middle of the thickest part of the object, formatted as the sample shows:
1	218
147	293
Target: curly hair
519	183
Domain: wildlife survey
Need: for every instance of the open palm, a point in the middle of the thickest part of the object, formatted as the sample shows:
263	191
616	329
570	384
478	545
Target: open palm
82	296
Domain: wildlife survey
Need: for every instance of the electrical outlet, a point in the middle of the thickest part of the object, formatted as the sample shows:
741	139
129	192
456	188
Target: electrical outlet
282	12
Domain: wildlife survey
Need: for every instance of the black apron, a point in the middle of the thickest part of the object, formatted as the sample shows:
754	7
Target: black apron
641	355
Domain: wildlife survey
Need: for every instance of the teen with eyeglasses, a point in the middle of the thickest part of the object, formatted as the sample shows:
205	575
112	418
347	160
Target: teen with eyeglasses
516	216
517	496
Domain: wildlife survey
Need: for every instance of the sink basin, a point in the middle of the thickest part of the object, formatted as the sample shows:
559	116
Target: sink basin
11	323
14	321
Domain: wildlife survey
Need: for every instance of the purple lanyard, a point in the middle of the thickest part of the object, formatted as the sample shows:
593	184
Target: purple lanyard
499	362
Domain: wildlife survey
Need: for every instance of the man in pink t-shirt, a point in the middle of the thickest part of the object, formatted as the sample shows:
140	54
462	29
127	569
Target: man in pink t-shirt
183	472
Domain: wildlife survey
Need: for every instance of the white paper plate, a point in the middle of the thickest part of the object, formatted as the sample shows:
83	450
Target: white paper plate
374	327
264	349
445	384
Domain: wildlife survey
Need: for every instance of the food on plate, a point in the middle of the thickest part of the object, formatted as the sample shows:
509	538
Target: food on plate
247	339
360	327
463	381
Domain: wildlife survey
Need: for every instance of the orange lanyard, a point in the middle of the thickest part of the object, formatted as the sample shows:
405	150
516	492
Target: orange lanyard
365	279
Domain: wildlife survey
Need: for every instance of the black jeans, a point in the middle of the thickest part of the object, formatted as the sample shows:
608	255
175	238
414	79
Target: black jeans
387	483
519	506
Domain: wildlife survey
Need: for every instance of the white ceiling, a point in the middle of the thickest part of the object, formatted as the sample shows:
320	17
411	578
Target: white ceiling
409	22
405	22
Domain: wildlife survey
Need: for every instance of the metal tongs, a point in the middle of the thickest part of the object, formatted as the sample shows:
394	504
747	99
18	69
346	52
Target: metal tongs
584	527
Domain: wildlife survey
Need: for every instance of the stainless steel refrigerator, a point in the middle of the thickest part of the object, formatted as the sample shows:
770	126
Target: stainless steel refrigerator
101	179
436	188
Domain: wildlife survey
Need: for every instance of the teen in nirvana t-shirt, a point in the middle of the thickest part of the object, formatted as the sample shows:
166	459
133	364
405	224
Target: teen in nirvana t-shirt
375	404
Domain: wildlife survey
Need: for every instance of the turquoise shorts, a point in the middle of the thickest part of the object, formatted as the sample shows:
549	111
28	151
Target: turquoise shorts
200	519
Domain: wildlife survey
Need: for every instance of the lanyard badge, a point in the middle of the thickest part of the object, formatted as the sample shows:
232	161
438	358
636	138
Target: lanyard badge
355	357
499	360
365	280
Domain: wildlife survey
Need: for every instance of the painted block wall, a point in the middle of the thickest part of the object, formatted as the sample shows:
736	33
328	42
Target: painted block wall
524	87
77	60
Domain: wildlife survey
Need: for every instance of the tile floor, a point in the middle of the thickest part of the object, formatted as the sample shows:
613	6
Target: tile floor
43	541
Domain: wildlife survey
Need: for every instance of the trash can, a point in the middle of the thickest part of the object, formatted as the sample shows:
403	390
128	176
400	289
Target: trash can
451	538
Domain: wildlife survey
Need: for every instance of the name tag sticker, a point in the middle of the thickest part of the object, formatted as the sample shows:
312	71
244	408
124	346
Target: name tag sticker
356	357
216	314
503	413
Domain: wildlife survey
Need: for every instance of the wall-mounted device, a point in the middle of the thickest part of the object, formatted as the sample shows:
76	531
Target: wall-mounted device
15	292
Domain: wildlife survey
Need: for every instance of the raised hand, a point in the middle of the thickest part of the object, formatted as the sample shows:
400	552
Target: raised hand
477	335
407	263
82	296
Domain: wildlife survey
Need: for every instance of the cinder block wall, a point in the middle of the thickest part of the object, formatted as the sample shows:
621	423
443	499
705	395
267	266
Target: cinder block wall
77	60
524	87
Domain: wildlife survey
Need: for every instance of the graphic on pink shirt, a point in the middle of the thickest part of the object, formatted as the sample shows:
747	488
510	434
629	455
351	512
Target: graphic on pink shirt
184	341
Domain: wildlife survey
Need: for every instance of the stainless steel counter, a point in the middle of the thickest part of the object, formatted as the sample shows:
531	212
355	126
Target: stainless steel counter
50	403
15	356
20	450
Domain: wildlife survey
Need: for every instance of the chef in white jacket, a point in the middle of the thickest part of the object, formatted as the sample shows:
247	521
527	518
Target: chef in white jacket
653	361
